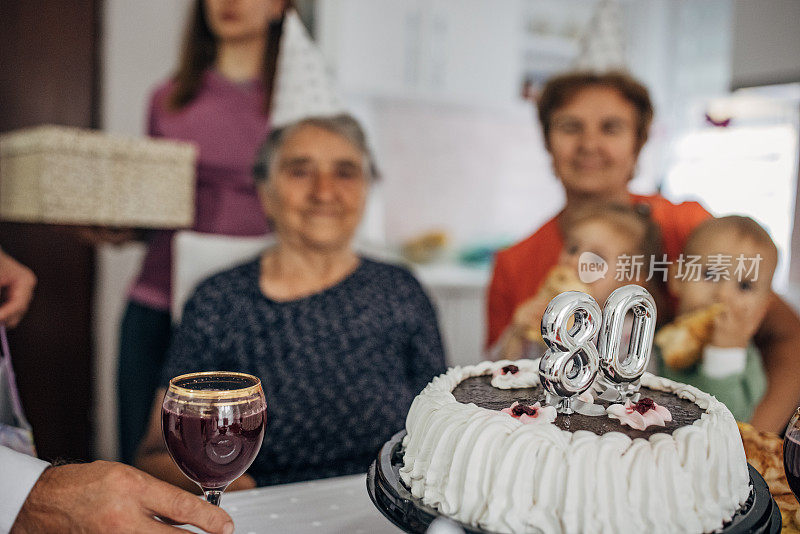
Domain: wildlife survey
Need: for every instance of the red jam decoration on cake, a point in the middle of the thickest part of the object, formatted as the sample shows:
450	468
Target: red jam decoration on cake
513	369
644	405
531	414
641	414
520	409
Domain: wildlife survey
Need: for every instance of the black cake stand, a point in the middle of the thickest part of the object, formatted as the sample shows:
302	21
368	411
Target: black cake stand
759	515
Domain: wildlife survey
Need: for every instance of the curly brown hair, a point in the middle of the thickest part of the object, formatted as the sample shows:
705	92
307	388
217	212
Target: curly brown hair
561	89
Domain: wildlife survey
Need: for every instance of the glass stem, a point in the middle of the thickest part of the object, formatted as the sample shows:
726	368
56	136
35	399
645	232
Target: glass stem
213	496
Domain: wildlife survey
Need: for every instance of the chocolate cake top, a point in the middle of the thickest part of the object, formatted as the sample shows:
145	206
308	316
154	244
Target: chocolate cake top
479	390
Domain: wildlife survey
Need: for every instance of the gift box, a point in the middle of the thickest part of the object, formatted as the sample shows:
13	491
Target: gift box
61	175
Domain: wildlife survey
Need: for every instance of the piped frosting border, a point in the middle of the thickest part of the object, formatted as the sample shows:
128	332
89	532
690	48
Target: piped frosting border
484	468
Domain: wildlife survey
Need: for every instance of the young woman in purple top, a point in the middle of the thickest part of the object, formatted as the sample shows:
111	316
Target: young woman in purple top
219	100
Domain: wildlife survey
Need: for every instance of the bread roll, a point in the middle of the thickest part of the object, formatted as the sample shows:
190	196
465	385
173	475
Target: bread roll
682	341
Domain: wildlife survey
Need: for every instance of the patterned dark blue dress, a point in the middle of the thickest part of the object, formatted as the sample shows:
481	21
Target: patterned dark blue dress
339	368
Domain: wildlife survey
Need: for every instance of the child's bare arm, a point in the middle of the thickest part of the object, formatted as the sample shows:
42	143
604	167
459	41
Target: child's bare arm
779	341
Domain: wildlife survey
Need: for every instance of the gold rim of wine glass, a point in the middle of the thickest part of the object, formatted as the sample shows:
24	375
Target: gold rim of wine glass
195	394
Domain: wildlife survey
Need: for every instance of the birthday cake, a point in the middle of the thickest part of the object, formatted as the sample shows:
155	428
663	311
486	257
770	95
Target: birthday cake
483	447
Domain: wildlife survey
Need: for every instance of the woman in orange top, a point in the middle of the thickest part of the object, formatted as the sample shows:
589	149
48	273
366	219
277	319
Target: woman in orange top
594	128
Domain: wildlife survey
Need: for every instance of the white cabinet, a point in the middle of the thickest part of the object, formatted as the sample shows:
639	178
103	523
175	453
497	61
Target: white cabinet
450	50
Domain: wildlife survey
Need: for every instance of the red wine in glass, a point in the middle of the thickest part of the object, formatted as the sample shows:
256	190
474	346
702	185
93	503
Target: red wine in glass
213	425
791	454
210	451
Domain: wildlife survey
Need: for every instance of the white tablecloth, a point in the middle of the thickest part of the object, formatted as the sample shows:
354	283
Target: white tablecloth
333	505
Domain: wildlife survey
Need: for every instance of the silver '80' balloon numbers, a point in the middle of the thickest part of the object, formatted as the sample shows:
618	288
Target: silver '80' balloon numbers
572	361
621	371
570	365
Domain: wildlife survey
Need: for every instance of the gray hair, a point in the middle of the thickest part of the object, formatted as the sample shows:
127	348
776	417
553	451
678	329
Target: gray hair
343	125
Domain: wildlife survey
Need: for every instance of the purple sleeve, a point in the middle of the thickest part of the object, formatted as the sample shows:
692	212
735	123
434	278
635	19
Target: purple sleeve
156	107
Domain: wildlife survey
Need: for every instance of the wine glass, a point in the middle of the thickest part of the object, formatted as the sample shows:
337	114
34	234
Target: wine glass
213	425
791	454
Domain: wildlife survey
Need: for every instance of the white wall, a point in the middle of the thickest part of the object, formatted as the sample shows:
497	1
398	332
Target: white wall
766	45
140	47
478	174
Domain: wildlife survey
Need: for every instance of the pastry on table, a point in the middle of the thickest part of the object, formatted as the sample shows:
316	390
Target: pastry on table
682	341
790	513
764	451
560	278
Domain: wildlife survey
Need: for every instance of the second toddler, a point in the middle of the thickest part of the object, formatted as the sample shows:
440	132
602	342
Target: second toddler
735	262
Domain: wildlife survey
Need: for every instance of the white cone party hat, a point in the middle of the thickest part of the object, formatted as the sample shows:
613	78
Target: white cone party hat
602	45
303	86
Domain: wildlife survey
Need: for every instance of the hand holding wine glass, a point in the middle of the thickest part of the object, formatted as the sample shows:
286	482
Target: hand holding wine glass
102	497
213	425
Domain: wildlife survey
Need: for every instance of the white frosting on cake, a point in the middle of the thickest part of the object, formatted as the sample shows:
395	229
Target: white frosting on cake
485	468
527	375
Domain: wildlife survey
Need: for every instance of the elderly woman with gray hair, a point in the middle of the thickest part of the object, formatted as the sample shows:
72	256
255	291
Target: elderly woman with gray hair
341	343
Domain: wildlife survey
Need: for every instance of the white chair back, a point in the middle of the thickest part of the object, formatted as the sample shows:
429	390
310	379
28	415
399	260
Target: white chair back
196	256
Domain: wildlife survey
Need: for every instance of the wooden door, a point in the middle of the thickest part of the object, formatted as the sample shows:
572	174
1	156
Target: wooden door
49	75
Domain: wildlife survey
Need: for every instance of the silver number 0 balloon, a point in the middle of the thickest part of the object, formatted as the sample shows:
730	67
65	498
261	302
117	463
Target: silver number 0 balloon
570	364
621	372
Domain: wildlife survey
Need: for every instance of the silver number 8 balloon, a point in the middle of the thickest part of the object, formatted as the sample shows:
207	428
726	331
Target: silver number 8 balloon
621	372
570	364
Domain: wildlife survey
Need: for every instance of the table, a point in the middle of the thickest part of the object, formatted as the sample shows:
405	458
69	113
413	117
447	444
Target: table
327	506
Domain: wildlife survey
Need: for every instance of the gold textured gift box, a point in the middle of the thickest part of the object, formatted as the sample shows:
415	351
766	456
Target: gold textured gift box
62	175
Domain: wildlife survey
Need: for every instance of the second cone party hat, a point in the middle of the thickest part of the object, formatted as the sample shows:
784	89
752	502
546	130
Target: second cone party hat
602	46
